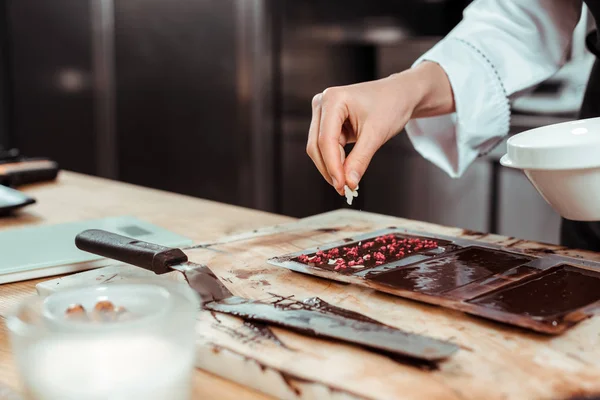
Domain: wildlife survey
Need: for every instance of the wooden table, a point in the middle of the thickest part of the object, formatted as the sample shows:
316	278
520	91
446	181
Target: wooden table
77	197
494	361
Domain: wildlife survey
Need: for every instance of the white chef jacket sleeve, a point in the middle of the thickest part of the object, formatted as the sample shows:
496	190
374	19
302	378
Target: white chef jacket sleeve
500	49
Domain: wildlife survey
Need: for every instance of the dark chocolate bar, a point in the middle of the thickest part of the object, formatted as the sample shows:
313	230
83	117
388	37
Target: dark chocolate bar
542	292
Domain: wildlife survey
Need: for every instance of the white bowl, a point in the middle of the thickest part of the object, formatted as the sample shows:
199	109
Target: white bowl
562	161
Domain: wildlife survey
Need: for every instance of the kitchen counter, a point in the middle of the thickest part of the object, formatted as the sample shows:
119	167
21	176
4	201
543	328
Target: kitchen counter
494	361
76	197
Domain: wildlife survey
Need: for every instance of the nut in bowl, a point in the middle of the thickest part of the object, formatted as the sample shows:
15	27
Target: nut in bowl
562	161
116	341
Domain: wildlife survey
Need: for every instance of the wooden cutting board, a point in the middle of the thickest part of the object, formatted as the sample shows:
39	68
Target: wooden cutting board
495	361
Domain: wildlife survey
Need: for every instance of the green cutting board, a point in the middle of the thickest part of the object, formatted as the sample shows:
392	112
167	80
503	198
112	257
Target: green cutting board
48	250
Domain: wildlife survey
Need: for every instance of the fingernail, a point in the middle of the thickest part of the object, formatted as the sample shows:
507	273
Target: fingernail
334	182
354	177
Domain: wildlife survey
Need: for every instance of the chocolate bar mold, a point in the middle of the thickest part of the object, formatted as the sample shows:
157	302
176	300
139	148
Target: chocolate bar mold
446	273
469	287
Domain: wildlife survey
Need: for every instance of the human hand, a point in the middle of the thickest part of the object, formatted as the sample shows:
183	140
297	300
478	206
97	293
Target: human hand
369	114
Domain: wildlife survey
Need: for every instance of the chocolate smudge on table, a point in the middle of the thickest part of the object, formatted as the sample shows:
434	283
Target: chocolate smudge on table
318	303
247	273
107	280
289	379
244	274
264	331
516	243
328	230
289	382
469	232
214	315
255	332
358	330
585	397
539	251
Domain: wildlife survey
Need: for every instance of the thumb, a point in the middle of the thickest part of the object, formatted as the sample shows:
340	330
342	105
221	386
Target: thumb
359	158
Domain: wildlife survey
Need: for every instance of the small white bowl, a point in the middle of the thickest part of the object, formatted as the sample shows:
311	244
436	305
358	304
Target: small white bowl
562	161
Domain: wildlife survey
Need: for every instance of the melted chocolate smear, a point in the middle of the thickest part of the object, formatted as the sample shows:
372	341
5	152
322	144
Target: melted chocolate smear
259	332
516	243
244	274
263	331
548	297
540	251
314	317
328	230
214	315
206	284
288	379
316	303
443	274
470	232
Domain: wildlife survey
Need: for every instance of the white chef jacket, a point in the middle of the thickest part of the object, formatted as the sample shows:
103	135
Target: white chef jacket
499	50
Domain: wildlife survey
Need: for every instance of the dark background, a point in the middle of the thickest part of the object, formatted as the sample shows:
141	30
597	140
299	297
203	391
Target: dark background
211	98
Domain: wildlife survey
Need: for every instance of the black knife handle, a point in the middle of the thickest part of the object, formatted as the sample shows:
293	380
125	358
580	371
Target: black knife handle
146	255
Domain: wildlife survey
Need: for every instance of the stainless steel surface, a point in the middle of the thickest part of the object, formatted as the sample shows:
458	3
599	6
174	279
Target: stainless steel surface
52	96
103	67
257	54
175	95
177	105
401	182
5	83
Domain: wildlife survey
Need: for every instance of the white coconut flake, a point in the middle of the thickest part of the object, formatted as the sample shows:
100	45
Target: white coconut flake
350	194
331	261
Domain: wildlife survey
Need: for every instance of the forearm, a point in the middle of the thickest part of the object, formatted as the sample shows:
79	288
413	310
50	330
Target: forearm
427	88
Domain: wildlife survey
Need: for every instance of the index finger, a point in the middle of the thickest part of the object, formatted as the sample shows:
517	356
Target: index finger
334	113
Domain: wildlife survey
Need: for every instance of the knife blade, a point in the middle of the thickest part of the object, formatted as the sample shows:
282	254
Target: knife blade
314	322
305	318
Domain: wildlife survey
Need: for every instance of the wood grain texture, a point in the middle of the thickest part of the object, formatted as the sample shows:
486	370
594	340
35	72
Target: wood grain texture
75	197
495	361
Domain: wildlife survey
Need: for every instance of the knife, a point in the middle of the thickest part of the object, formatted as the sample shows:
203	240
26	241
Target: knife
305	318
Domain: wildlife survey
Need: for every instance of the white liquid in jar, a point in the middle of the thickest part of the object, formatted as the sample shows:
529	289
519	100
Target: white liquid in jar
115	368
